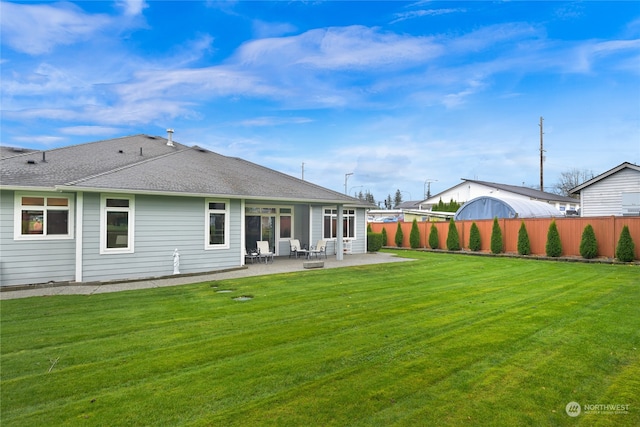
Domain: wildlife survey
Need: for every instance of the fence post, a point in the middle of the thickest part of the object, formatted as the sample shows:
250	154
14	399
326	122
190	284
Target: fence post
425	234
613	235
504	235
464	223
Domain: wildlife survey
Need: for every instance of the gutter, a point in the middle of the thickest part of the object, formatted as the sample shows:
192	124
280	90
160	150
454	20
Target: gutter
68	188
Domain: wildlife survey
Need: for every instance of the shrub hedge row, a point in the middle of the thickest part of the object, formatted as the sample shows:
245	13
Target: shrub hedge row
625	249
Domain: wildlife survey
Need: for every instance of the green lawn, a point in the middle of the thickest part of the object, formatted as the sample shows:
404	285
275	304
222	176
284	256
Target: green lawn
445	340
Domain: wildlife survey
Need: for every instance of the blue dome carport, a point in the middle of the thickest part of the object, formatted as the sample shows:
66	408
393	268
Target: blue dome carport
489	207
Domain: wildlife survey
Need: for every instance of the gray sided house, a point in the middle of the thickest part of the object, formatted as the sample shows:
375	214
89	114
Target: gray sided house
614	192
117	209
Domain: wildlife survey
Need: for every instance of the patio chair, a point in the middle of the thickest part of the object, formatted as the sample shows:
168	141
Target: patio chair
295	248
251	255
264	251
319	249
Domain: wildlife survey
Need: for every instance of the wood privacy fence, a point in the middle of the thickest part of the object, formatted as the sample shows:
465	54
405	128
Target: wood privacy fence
607	231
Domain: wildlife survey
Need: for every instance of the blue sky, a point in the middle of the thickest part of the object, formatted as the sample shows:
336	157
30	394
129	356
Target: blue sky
397	93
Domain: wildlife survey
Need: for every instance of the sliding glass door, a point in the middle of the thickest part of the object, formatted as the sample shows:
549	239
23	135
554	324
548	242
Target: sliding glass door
273	224
260	227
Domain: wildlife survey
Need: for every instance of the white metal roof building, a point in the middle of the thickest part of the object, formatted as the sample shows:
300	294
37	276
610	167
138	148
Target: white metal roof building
470	189
489	207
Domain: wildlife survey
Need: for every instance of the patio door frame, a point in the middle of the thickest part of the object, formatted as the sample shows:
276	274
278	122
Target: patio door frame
271	223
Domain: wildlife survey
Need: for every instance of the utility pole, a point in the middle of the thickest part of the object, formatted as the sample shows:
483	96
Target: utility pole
541	156
346	178
427	192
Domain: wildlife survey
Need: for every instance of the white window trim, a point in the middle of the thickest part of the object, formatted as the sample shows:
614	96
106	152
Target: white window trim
130	226
278	214
227	219
285	214
17	218
344	216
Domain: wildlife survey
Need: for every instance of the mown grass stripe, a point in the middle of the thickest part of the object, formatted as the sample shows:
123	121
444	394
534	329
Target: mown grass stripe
444	340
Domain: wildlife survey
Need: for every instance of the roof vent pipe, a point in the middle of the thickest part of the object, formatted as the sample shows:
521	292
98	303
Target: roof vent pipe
169	137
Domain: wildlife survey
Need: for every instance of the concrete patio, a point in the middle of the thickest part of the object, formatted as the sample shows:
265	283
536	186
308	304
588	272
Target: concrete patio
280	265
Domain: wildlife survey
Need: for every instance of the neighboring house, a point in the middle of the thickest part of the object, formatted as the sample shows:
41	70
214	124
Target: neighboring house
409	205
422	215
470	189
118	208
615	192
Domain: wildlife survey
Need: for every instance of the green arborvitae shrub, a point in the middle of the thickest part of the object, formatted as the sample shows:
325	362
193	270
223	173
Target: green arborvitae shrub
453	239
414	237
496	237
625	248
369	229
588	243
399	235
374	242
554	245
384	237
433	237
524	246
474	238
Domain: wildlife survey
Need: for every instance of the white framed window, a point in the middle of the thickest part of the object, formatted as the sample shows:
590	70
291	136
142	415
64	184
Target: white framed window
43	216
286	223
330	223
117	219
216	224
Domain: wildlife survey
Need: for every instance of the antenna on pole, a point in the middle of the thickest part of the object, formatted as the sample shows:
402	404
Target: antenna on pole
303	171
541	156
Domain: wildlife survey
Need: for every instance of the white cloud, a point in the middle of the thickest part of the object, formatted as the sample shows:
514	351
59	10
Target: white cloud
274	121
44	79
132	7
188	52
339	48
89	130
197	83
424	12
40	139
264	29
38	28
494	37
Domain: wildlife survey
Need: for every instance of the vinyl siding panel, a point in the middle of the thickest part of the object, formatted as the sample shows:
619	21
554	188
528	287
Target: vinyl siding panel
301	224
34	261
604	198
161	225
316	227
358	246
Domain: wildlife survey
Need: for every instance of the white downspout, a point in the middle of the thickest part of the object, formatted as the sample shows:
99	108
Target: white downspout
340	232
79	234
243	231
310	239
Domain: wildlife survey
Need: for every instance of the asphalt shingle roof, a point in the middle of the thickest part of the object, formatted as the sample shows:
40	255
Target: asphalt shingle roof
117	164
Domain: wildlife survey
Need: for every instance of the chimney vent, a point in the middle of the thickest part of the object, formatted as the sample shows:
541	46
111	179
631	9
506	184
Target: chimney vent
169	137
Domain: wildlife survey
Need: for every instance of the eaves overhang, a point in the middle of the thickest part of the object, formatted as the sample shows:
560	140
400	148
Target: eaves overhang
28	188
76	188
